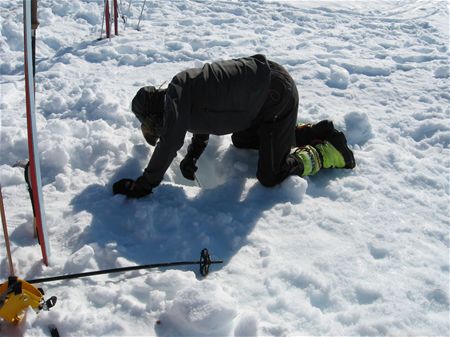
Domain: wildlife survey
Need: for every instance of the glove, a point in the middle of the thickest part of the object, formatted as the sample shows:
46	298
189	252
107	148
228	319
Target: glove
188	167
133	189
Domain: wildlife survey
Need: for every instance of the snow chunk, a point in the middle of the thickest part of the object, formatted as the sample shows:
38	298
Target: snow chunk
11	31
203	310
132	305
11	176
372	69
62	182
293	189
101	296
339	77
358	128
55	157
89	15
247	326
79	260
171	282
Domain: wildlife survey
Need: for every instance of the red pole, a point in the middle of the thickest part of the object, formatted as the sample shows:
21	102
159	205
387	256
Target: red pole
116	17
107	20
5	233
35	175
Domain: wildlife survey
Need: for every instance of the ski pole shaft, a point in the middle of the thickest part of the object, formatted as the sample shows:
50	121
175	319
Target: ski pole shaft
204	263
5	233
197	181
129	6
115	270
140	16
125	16
103	21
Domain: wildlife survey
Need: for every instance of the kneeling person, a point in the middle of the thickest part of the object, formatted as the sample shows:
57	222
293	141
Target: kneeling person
252	98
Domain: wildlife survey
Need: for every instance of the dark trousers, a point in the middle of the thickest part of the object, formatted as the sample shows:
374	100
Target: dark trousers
273	133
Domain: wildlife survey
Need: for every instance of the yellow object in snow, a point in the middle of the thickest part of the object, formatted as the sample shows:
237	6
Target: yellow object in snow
16	296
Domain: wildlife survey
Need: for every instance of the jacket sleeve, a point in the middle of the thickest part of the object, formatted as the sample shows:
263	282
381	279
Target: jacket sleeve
171	140
197	146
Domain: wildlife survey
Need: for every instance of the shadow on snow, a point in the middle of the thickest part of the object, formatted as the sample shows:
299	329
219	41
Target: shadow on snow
169	225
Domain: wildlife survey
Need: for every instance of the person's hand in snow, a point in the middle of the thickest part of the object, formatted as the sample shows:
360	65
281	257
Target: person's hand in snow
188	167
131	188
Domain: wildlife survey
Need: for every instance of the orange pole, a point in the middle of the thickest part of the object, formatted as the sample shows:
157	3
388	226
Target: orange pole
5	234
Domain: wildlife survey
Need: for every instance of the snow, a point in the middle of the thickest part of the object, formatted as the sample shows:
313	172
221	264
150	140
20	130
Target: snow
361	252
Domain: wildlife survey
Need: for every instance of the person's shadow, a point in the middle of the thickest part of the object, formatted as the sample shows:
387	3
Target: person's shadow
170	224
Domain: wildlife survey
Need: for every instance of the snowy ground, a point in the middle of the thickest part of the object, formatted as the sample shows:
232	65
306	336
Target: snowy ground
362	252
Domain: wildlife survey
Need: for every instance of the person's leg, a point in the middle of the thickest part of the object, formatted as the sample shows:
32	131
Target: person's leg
277	134
274	162
277	129
246	139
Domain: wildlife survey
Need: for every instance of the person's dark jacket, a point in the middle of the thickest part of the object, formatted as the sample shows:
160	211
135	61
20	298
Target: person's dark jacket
220	98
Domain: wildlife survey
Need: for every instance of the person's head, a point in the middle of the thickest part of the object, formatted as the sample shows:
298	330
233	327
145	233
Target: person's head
148	106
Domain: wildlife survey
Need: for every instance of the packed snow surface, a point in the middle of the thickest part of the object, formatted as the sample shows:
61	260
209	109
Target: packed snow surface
345	252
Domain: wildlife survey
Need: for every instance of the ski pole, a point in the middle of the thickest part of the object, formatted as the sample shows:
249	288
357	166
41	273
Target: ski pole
205	262
140	16
129	6
5	233
124	16
197	181
103	21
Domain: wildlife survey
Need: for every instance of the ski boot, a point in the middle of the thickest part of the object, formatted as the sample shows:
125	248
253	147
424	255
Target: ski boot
330	153
308	160
335	151
305	134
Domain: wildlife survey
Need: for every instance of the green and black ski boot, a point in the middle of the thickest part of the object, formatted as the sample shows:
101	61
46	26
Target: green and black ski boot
330	153
335	151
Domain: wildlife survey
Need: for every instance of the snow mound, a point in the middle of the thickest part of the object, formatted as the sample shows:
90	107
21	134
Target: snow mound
11	176
358	128
339	77
247	326
203	309
77	262
293	189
